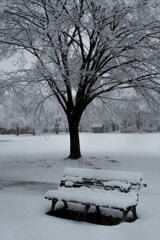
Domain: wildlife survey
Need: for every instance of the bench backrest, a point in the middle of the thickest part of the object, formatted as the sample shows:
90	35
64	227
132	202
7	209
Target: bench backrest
108	180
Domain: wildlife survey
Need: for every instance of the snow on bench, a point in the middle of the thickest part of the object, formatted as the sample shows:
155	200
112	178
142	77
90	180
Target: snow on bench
99	188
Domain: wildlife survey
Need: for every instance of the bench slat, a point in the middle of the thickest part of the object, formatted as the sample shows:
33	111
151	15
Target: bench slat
105	175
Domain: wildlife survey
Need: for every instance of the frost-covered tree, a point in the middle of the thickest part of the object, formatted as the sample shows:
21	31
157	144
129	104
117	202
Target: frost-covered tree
27	107
84	49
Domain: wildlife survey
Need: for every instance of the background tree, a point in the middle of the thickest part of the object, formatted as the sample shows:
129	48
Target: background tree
27	106
84	49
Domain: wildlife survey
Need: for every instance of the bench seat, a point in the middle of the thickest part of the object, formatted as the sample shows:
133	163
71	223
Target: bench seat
97	197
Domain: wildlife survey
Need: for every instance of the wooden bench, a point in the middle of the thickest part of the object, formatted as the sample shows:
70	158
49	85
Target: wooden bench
99	188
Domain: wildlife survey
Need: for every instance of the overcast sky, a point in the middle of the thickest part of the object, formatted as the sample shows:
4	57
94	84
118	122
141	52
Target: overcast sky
16	63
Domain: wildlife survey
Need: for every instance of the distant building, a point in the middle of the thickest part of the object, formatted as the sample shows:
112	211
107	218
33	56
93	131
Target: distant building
151	125
129	129
110	126
97	128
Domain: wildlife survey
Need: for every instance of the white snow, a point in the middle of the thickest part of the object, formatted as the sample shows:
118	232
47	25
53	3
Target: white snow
113	199
69	183
97	125
122	185
27	158
72	178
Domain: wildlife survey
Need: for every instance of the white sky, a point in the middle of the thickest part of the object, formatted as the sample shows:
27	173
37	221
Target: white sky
7	65
16	62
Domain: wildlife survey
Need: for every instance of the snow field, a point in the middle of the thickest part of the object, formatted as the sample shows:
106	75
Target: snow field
22	211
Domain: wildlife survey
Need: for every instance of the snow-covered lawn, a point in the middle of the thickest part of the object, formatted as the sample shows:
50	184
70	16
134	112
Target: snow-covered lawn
29	165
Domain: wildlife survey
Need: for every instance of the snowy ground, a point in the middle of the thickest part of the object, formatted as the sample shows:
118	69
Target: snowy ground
31	165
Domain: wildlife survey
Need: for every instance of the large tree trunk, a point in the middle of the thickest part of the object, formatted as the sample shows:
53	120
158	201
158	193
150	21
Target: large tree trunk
75	152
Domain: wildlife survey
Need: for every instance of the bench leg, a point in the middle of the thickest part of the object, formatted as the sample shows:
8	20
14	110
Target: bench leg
98	213
125	213
98	210
65	204
54	201
134	213
87	206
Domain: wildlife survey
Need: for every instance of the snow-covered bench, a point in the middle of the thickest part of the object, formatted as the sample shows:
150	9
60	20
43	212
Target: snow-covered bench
99	188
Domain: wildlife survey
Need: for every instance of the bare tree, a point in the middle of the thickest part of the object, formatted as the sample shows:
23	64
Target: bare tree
84	49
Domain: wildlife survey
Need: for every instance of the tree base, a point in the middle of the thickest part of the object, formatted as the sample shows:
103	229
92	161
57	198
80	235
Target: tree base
74	157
